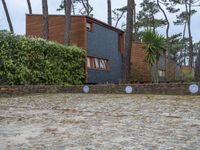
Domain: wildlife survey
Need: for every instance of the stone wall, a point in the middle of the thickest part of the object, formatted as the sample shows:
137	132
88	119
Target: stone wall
170	89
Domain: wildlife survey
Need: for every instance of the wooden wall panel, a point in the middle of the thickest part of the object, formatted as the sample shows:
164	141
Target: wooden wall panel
34	27
121	43
140	71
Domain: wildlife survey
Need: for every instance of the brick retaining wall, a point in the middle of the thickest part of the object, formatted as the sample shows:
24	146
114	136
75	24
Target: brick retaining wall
171	89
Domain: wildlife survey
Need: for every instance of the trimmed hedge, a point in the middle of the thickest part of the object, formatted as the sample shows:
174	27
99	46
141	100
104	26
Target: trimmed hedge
30	61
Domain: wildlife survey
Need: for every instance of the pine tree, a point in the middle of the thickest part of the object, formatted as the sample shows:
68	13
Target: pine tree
8	16
128	41
67	4
45	19
29	6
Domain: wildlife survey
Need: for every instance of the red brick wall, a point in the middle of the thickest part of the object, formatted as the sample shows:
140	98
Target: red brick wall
140	71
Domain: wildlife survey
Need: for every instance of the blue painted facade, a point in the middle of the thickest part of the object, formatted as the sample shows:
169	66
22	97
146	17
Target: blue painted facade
103	42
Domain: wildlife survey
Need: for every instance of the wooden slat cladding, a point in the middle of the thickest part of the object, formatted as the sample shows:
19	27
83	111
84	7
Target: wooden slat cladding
121	43
91	19
34	27
140	71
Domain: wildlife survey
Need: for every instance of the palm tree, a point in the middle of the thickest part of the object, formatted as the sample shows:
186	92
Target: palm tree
8	16
67	5
45	19
29	6
109	12
154	47
128	41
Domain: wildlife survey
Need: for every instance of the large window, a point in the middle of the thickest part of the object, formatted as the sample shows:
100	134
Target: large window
97	63
161	73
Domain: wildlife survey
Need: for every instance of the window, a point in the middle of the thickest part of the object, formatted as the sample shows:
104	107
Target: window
97	63
88	63
102	64
89	26
161	73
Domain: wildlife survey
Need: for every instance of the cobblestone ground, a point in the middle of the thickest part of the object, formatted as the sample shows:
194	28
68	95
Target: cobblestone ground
100	122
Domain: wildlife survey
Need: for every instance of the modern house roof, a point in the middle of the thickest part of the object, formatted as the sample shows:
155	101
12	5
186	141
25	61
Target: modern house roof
89	18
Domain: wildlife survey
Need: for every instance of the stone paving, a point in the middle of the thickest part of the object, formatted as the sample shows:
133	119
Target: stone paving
100	122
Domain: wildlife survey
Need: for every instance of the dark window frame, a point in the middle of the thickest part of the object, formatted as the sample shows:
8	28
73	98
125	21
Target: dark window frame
93	65
91	26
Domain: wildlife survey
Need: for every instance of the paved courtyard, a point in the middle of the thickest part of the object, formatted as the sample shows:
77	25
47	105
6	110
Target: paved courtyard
100	122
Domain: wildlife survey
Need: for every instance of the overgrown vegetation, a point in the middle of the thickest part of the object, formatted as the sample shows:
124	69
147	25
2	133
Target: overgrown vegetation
187	75
154	47
35	61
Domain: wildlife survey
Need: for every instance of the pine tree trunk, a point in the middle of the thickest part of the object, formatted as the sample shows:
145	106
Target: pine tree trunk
86	6
119	18
197	68
190	45
167	53
134	19
67	4
109	12
153	20
29	6
184	56
128	42
168	26
185	52
73	9
154	73
45	19
8	16
189	33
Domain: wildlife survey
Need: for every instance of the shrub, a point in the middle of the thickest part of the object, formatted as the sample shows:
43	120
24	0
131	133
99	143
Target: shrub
187	75
26	60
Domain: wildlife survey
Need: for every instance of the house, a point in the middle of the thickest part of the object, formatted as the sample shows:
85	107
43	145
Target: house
141	71
103	43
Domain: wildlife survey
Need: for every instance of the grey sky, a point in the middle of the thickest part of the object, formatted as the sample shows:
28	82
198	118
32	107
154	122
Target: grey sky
18	8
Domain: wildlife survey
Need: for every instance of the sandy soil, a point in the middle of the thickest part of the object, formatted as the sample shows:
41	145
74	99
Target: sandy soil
92	122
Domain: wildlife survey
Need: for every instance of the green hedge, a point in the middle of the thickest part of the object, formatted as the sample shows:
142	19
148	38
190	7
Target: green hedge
25	61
